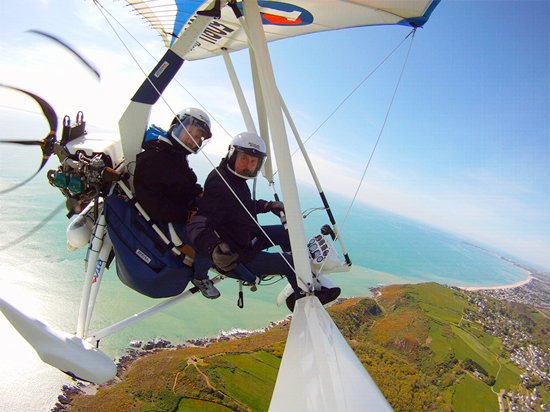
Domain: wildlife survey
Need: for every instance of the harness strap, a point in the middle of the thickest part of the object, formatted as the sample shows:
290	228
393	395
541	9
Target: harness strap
188	254
187	251
185	257
156	241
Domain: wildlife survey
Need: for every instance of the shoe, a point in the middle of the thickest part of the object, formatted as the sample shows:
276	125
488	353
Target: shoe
207	288
325	295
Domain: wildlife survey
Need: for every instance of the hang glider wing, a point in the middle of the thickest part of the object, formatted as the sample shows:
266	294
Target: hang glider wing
319	364
192	37
281	19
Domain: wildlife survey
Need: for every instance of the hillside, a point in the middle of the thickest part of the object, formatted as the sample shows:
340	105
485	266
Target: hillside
426	346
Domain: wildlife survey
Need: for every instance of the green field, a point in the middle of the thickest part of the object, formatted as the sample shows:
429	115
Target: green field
260	377
473	395
439	344
442	304
508	378
467	346
197	405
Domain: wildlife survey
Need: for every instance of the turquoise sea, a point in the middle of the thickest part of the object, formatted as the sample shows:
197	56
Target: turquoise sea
41	277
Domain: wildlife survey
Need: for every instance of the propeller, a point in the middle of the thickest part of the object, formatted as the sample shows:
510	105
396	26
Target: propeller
73	51
14	242
47	144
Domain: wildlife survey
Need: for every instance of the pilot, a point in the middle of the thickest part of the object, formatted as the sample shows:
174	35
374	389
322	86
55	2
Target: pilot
167	187
225	227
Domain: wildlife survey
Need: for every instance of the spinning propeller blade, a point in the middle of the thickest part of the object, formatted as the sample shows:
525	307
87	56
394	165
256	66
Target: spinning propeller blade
74	52
34	229
48	110
47	143
68	353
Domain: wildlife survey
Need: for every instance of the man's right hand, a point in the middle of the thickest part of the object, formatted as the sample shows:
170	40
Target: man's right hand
223	258
275	207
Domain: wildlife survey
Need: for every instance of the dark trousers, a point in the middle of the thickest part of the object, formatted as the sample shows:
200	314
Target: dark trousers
273	263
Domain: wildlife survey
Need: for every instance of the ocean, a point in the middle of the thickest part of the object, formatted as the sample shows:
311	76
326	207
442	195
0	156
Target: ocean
42	278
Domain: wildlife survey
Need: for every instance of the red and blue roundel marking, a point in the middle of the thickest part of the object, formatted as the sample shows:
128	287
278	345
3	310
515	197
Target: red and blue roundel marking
292	15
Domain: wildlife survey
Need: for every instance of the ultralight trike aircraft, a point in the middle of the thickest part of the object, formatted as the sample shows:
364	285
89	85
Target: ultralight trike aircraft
319	371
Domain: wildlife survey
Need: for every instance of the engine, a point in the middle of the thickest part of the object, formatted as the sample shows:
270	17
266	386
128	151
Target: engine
88	166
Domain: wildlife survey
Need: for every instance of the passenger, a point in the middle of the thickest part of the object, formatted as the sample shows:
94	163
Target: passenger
167	187
225	227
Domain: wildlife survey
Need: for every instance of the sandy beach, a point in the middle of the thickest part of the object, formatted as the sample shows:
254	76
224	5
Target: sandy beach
515	285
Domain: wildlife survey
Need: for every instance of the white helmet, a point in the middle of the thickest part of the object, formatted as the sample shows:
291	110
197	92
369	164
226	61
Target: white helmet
248	143
191	117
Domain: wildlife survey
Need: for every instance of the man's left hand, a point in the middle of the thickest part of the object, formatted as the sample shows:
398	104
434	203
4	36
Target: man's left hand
223	258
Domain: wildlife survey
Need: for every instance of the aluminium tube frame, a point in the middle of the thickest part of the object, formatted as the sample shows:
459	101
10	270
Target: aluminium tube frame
281	149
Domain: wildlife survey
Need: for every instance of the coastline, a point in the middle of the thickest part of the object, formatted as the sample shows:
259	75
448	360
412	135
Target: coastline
199	358
503	287
140	349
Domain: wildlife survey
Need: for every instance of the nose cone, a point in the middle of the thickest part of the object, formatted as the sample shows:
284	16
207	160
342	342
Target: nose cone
66	352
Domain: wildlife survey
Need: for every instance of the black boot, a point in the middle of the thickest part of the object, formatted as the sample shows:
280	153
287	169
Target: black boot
325	295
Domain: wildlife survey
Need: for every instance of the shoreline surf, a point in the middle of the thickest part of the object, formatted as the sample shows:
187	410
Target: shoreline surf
502	287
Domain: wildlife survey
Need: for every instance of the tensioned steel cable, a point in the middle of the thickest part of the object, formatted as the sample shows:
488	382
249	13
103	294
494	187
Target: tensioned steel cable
381	130
358	86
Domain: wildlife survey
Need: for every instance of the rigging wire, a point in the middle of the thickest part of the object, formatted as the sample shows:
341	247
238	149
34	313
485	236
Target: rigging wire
413	32
100	7
355	89
309	211
339	229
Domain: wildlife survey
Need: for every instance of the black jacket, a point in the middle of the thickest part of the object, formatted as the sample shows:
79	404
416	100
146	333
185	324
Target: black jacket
164	183
220	212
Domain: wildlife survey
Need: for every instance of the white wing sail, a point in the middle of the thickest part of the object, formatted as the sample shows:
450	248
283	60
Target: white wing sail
319	371
281	19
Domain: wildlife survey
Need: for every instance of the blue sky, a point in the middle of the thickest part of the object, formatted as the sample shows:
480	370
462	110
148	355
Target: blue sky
467	143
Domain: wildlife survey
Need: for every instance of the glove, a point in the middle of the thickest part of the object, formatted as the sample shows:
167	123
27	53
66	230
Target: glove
275	207
223	258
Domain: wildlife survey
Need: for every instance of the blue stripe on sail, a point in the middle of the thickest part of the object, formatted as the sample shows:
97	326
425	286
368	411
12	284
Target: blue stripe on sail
420	21
186	8
156	82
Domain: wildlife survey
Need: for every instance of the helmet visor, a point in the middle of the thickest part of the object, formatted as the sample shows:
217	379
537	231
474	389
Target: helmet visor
248	165
192	133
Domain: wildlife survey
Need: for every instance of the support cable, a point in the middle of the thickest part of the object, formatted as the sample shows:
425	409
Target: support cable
381	131
173	112
358	86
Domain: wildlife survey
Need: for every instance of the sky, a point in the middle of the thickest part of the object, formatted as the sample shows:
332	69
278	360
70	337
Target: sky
466	143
